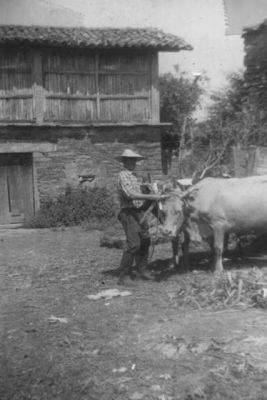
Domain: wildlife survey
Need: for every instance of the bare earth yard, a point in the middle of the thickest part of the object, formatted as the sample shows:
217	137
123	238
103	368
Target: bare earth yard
56	343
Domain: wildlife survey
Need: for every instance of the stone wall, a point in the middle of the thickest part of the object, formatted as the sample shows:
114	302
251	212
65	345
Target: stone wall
64	155
255	64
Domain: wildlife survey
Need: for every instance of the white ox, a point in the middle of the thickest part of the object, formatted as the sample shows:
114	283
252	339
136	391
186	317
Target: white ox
215	207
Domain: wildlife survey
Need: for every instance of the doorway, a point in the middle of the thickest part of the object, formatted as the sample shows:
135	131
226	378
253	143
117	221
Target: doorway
16	187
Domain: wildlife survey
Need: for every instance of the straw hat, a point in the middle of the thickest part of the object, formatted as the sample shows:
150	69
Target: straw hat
128	153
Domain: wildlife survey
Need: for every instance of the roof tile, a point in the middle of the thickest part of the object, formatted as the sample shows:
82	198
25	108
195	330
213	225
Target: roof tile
102	38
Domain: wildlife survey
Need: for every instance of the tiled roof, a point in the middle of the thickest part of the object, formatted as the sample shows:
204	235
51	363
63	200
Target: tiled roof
101	38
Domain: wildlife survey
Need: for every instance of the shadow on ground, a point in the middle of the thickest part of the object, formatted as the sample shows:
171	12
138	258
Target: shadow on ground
163	269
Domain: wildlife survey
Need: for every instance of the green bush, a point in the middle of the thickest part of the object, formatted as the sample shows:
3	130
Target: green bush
74	207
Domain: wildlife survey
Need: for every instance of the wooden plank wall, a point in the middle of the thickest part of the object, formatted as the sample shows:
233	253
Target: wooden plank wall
73	86
104	87
16	92
69	83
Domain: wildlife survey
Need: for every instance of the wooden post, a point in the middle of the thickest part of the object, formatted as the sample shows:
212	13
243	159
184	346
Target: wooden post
38	89
36	199
155	103
253	156
97	86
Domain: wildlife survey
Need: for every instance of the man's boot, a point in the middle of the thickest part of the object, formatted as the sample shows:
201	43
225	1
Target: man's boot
141	264
141	259
125	267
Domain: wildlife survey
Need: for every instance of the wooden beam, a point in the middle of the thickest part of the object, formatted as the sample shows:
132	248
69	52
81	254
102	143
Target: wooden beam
64	123
154	98
137	73
81	72
27	147
68	72
15	69
16	96
38	90
97	86
124	96
64	96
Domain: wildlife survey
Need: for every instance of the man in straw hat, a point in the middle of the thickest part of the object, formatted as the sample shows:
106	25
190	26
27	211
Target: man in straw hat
131	212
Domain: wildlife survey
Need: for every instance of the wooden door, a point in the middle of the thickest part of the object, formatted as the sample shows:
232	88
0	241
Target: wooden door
16	186
4	198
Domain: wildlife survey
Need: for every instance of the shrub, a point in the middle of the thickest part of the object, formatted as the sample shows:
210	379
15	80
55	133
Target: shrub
74	207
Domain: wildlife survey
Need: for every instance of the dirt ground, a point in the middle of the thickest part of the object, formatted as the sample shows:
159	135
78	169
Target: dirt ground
56	343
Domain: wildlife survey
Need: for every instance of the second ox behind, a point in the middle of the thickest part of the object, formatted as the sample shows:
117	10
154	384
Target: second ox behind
215	207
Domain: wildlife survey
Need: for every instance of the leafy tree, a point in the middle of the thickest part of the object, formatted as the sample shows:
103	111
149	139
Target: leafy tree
179	98
213	138
234	118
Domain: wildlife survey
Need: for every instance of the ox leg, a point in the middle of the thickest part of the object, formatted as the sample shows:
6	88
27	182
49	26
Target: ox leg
240	250
226	241
175	251
210	241
180	245
185	249
218	249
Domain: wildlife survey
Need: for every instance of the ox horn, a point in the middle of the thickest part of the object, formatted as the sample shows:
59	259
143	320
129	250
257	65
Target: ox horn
188	192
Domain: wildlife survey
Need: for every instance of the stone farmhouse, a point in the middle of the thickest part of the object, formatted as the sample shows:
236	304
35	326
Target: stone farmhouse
71	99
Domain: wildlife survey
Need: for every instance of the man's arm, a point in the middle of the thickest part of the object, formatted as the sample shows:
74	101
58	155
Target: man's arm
140	196
133	194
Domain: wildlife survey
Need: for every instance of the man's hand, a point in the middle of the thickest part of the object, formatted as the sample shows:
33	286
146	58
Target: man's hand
150	196
164	196
160	197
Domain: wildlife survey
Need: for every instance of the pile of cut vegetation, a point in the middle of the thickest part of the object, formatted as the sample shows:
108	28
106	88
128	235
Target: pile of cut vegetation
230	289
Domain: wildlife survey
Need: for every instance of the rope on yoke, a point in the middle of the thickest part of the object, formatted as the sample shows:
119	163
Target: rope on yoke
156	237
147	212
157	225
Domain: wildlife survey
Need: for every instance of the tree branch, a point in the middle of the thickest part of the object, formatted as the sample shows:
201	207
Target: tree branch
211	163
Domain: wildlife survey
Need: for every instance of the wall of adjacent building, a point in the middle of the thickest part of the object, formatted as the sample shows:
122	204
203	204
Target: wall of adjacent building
255	63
